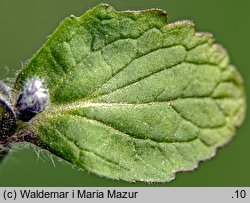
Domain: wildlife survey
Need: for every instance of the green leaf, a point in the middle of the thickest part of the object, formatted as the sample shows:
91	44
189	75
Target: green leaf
132	97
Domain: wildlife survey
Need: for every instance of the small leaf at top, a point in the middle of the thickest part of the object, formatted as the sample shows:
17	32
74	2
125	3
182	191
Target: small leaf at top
132	97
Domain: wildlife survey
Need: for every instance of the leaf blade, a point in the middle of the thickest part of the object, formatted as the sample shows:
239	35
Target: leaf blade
133	98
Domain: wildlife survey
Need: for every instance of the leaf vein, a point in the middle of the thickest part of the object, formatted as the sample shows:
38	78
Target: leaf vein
130	136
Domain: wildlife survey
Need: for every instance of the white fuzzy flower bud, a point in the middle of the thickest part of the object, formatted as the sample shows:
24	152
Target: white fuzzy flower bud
33	99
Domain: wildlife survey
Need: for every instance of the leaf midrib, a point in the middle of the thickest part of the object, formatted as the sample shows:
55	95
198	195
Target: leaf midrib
62	109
